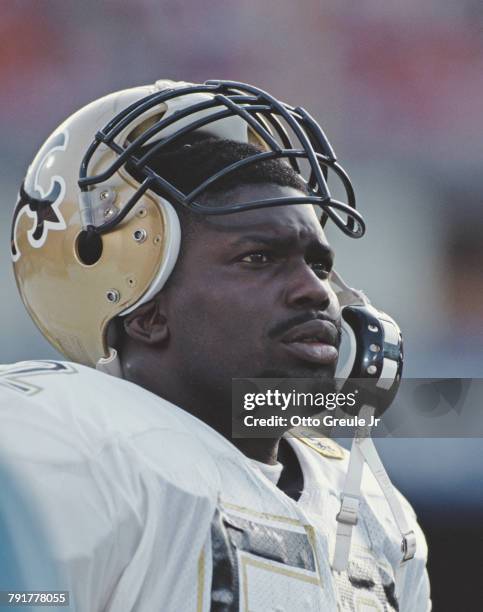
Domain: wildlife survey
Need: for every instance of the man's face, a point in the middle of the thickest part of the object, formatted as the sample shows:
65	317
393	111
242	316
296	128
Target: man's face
250	296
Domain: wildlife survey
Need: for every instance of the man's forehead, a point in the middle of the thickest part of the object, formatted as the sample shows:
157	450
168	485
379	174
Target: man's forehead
298	220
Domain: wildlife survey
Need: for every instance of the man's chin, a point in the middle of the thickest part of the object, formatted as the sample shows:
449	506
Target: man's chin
319	380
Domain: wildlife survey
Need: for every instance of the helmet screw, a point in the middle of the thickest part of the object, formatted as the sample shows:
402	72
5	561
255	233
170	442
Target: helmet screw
141	212
108	212
372	328
371	369
375	348
113	296
139	235
107	195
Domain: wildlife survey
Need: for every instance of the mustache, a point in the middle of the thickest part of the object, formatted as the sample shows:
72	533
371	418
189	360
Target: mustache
284	326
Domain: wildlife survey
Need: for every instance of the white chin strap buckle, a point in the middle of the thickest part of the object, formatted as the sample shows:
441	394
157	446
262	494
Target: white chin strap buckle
349	510
408	546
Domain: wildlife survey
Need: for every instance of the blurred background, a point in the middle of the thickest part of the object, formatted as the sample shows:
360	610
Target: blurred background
398	87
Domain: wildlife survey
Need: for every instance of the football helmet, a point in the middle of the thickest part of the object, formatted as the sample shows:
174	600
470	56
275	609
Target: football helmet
90	243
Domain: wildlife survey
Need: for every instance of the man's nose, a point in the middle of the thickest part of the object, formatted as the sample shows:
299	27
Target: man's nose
307	290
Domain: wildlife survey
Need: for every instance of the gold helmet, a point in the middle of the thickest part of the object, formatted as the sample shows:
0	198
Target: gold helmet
89	242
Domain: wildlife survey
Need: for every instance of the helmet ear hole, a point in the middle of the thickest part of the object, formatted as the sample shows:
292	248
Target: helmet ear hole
89	247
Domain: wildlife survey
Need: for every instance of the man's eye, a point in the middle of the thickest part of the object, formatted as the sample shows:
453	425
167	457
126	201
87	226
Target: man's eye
321	268
258	257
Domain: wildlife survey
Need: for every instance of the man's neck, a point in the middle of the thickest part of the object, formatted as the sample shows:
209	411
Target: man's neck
212	411
264	450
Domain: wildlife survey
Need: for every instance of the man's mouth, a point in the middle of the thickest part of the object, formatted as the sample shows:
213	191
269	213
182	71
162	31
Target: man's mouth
314	341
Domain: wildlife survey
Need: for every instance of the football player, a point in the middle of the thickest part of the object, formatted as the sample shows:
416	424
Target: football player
166	241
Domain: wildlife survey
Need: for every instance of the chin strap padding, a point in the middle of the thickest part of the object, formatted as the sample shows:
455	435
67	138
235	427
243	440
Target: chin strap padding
110	365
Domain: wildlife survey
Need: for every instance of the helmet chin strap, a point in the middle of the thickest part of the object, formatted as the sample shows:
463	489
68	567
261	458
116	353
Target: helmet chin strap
111	364
375	355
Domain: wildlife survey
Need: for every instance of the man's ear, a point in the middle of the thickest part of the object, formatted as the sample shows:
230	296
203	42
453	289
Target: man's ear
147	324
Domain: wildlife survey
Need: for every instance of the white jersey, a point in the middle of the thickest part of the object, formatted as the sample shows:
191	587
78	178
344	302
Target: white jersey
148	508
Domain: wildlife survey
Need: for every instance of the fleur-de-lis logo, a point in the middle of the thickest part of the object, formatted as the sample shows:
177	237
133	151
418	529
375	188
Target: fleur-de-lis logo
42	206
